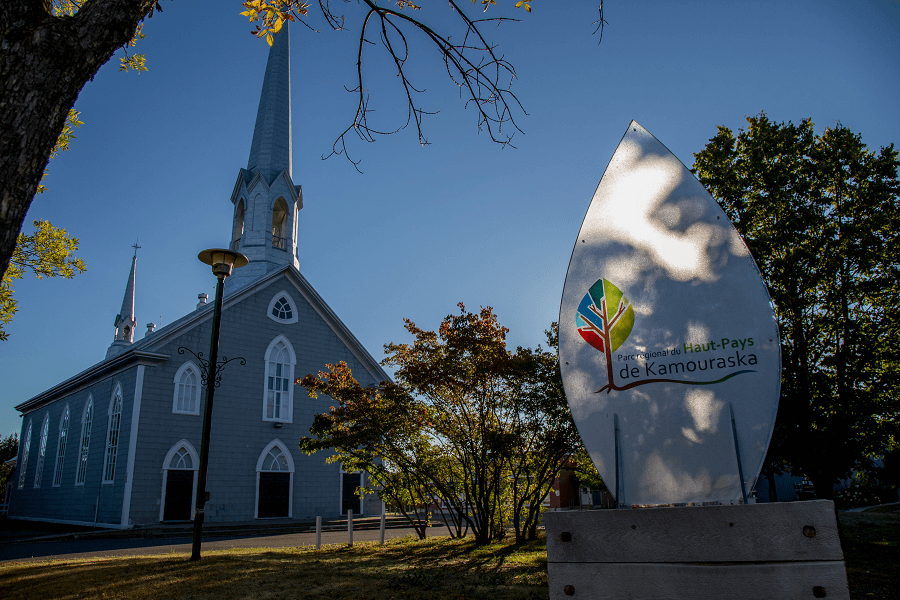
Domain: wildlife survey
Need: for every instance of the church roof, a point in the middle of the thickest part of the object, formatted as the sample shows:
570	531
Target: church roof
91	374
145	350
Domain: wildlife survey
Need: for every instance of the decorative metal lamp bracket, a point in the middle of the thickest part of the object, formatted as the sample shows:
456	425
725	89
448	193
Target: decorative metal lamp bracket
220	364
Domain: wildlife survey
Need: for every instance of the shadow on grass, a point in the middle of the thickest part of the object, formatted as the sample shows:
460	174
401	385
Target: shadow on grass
436	568
872	553
408	569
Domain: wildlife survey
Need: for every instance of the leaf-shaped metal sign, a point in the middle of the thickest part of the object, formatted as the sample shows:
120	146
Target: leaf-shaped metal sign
666	330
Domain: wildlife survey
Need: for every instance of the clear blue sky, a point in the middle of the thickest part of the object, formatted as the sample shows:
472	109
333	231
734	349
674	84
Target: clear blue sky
423	228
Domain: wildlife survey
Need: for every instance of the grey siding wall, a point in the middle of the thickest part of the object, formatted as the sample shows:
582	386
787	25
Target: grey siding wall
239	433
93	501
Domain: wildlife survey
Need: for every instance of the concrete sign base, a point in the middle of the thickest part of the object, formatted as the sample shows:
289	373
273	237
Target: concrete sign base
785	550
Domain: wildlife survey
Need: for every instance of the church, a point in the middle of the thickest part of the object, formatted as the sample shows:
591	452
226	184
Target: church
118	444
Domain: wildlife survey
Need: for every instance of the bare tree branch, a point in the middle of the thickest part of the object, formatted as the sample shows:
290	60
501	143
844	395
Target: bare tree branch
484	77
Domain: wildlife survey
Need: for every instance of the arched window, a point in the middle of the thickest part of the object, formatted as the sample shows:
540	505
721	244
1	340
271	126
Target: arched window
238	225
112	436
42	451
282	308
179	483
279	224
274	481
187	390
275	460
86	419
279	390
61	447
182	460
23	452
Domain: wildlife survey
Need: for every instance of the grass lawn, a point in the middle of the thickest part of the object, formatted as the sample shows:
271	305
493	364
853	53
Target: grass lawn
872	552
436	568
406	569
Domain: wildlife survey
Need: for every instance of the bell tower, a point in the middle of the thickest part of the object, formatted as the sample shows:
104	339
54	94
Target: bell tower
125	320
266	201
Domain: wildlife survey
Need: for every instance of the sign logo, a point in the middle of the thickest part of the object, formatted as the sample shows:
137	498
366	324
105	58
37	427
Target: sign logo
605	318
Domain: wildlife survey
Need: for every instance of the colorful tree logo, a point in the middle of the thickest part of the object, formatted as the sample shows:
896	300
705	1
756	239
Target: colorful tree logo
605	319
602	331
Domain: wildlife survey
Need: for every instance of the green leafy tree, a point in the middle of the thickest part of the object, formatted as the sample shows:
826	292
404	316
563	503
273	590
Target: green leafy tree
543	430
586	471
379	430
461	372
47	253
820	215
470	426
9	448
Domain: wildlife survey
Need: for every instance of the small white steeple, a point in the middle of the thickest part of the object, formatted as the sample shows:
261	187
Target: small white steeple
125	321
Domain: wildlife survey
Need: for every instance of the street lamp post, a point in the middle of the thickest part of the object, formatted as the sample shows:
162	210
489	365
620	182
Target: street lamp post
222	261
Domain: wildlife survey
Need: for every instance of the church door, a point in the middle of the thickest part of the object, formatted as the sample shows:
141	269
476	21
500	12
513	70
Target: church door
350	501
274	494
275	470
179	476
179	488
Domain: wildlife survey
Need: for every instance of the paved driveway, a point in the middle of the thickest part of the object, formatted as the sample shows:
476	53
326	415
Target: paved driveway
68	549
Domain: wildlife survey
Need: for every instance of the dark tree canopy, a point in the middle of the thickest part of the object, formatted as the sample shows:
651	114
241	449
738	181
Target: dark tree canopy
9	448
820	215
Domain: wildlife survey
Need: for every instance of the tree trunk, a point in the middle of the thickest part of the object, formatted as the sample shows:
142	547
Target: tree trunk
773	493
517	526
44	63
824	484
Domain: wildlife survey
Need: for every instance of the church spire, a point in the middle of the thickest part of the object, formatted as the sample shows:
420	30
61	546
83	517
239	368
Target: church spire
125	320
270	151
266	202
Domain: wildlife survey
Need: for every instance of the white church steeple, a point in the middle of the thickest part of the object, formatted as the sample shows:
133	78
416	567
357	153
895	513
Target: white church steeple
270	150
266	201
125	320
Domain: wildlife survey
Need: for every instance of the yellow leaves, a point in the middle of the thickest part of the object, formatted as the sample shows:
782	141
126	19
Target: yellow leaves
486	3
272	15
47	253
62	142
66	8
526	4
406	3
138	35
133	62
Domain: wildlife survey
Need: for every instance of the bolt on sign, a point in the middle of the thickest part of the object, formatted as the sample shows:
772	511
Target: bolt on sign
667	336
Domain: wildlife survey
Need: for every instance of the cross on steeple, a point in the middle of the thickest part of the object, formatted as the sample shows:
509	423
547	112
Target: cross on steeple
135	246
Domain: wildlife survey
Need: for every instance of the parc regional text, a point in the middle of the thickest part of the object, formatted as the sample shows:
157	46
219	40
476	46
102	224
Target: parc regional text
705	364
